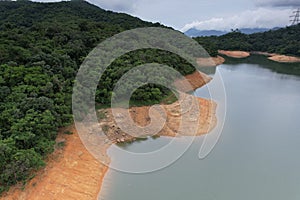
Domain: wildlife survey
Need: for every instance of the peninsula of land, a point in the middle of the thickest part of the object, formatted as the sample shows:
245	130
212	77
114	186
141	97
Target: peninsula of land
73	173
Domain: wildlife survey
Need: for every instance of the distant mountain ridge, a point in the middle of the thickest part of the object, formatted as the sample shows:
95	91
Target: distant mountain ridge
284	41
193	32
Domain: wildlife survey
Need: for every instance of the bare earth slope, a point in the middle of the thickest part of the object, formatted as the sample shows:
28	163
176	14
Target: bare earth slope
71	173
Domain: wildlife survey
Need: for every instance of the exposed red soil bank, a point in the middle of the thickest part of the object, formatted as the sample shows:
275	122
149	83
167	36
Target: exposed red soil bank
235	54
73	173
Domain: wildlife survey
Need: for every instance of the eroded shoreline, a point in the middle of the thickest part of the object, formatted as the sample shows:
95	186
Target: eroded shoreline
271	56
234	54
73	173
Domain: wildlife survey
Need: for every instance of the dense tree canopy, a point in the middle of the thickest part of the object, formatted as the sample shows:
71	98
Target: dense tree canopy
41	48
281	41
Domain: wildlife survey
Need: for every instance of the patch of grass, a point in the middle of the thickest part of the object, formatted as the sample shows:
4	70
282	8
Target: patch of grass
68	132
101	114
169	99
99	106
166	99
61	144
155	137
140	139
3	189
31	176
105	128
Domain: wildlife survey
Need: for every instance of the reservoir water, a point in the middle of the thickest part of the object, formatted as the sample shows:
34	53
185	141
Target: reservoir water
256	157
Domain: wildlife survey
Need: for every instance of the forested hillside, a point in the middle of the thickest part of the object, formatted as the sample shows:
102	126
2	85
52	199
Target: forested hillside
41	48
281	41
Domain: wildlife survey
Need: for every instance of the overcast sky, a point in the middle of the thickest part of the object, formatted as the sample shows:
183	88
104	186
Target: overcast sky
207	14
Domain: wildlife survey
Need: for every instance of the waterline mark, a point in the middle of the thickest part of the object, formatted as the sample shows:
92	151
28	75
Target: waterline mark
188	107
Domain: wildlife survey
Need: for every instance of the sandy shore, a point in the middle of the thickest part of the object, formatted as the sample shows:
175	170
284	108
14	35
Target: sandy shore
210	62
73	173
196	80
279	58
235	54
218	60
284	59
271	56
192	116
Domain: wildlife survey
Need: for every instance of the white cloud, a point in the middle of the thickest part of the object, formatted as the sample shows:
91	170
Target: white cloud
116	5
259	18
278	3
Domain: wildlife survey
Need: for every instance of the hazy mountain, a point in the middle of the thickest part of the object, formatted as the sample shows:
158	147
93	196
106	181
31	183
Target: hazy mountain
195	32
198	33
278	40
253	30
